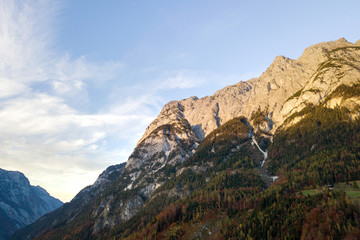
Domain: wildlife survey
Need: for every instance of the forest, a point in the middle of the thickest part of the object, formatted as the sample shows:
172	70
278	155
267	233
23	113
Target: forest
230	200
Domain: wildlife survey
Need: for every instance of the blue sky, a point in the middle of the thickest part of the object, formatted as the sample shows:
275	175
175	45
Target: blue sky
81	80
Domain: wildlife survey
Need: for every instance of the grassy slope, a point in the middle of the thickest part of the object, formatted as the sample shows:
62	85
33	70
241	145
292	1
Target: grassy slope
351	190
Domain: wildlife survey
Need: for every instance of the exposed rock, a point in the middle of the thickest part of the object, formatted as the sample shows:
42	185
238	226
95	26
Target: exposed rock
131	207
272	91
166	147
105	179
339	65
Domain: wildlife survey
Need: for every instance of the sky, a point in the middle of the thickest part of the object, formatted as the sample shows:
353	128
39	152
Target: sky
81	80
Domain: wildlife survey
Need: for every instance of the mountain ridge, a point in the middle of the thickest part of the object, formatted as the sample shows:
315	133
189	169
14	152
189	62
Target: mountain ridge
278	99
278	74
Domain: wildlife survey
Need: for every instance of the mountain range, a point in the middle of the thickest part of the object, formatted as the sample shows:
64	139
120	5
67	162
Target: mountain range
253	161
21	203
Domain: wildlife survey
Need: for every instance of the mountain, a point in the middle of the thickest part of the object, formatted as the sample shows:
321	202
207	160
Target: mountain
74	210
237	164
21	203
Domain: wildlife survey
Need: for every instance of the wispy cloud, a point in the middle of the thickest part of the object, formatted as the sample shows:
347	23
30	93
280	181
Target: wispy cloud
27	55
189	79
41	134
10	88
71	74
44	137
182	79
25	35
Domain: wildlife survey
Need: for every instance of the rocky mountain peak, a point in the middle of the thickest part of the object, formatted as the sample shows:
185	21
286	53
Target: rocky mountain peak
338	65
13	178
269	92
316	53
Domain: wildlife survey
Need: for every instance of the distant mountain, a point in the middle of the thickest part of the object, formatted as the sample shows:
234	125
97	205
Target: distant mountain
78	206
21	203
238	164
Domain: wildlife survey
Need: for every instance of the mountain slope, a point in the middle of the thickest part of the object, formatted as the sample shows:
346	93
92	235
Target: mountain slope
21	203
321	149
218	193
196	144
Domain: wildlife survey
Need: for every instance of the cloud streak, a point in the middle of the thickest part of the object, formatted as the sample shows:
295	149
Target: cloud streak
42	136
41	133
25	35
183	79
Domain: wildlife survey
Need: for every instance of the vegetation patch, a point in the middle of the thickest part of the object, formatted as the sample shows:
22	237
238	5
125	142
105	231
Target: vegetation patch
344	48
345	92
323	148
310	192
295	95
258	117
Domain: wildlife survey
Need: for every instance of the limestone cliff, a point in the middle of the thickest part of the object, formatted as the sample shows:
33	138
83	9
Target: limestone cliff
319	71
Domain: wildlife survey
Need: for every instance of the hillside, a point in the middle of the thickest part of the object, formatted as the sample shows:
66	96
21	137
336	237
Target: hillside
234	164
229	204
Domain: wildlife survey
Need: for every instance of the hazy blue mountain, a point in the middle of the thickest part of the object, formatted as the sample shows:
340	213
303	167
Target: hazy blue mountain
21	203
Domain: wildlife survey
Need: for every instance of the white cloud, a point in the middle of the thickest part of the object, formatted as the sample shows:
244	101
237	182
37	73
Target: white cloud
189	79
69	74
24	35
140	103
27	55
43	137
48	121
182	79
10	88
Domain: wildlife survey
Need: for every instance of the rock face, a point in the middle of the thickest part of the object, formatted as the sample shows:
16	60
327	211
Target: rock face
105	179
322	75
21	203
313	76
148	167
